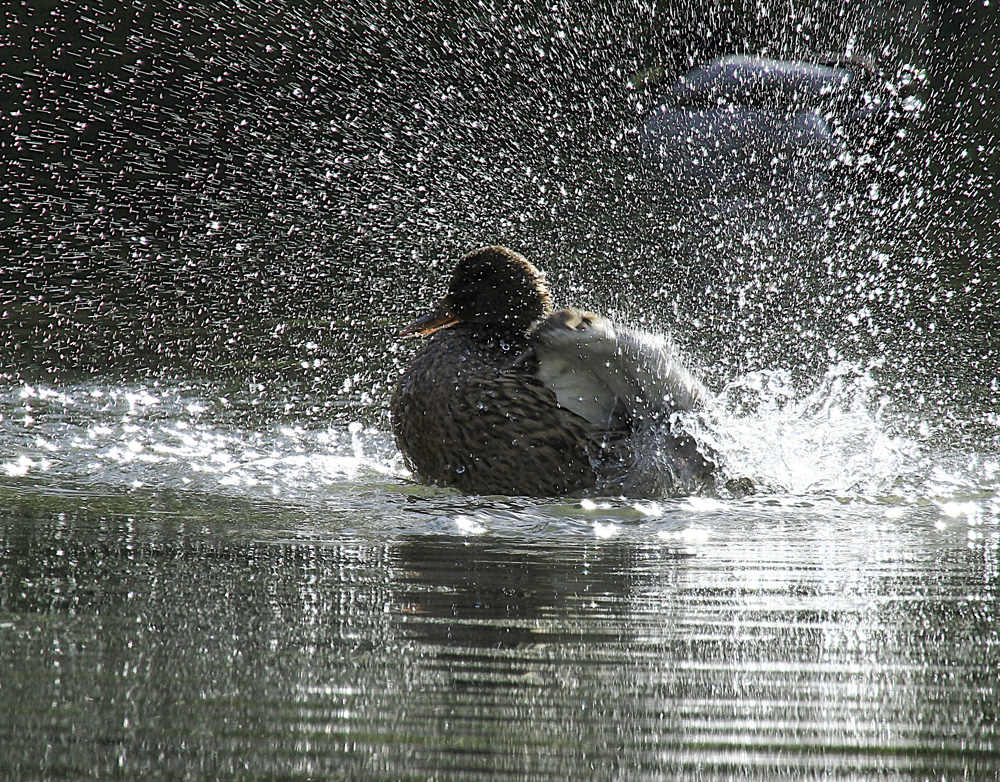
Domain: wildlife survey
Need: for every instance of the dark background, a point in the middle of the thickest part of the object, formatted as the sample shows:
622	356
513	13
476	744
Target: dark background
211	188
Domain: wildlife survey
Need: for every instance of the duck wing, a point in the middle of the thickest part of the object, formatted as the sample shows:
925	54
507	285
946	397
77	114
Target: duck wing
616	378
627	384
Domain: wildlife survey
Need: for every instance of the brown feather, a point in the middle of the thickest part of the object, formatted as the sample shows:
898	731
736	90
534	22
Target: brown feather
466	415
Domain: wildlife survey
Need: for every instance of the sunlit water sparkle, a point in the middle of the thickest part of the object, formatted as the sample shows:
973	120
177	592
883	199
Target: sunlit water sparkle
213	562
822	449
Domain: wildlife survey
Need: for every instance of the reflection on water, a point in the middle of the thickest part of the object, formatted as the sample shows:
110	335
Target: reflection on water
794	642
184	593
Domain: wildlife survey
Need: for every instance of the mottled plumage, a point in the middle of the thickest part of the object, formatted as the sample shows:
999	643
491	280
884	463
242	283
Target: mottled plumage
510	398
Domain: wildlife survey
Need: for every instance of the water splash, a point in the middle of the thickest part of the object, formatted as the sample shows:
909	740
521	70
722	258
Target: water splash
835	437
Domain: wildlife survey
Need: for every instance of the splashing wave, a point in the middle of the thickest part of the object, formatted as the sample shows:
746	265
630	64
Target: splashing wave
836	437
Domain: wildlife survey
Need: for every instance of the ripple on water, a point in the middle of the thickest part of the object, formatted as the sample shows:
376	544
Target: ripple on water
811	632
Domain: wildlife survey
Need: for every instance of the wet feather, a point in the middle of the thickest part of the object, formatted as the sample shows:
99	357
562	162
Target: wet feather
510	398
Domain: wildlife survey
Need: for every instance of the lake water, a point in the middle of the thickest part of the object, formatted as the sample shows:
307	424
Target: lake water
213	564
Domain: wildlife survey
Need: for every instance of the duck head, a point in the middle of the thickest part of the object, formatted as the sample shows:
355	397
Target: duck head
493	288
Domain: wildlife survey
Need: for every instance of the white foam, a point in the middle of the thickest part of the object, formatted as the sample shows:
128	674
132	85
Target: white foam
789	437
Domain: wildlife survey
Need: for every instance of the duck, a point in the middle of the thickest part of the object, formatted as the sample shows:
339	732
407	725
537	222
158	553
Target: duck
511	397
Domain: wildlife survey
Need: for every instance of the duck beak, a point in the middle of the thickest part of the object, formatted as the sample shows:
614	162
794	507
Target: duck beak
441	317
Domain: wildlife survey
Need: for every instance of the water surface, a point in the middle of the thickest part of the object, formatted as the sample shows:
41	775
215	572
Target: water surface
213	562
184	598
